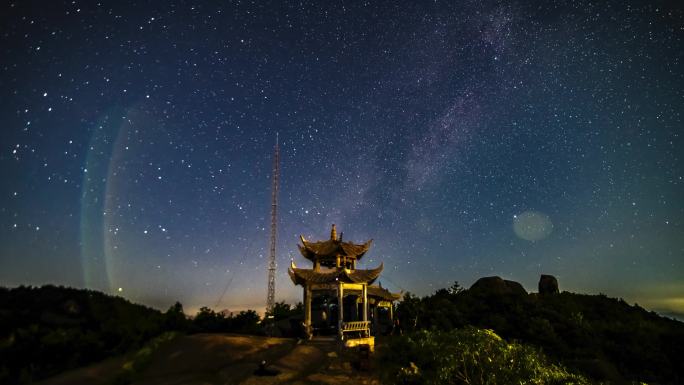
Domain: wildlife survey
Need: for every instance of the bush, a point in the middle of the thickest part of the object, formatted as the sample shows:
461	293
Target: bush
467	356
208	321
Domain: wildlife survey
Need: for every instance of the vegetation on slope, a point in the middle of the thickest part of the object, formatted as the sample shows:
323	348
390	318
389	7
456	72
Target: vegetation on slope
467	356
605	338
46	330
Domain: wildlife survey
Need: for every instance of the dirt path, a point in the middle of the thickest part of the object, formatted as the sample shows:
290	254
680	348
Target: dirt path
232	359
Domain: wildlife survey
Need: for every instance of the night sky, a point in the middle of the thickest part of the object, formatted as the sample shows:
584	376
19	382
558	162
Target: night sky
467	138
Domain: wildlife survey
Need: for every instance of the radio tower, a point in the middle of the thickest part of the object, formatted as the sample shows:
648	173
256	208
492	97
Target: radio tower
270	299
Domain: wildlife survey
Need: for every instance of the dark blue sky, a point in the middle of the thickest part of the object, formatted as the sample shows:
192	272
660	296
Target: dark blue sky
467	138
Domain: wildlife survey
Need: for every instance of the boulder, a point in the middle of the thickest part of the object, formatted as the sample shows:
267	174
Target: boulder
548	284
515	287
497	286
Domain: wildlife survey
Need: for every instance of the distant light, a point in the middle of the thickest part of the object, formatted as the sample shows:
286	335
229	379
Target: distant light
119	290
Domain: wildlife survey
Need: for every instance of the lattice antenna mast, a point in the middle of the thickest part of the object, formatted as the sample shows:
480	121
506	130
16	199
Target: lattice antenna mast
270	300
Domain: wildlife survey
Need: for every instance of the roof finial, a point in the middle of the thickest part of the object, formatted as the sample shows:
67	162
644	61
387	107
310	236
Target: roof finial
333	233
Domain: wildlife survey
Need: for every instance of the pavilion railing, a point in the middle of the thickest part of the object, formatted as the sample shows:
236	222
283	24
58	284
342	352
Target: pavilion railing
356	326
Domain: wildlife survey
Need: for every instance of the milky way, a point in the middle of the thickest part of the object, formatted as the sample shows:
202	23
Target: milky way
467	139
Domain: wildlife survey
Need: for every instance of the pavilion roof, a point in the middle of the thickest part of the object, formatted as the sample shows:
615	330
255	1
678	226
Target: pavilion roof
300	276
331	248
381	292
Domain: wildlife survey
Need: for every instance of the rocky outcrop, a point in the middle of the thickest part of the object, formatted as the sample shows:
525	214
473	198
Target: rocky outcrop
497	286
548	284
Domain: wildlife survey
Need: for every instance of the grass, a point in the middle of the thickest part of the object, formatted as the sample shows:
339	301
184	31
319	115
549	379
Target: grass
141	359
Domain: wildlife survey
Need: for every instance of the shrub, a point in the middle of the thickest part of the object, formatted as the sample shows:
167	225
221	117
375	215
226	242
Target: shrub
467	356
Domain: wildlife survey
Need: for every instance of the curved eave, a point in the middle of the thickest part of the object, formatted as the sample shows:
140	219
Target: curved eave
302	276
306	253
355	250
330	248
382	293
293	276
364	276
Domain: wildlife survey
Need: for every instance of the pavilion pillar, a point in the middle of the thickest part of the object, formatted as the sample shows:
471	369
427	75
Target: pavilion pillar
307	311
340	300
365	302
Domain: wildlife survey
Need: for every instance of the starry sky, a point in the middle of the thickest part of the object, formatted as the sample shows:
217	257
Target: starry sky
467	138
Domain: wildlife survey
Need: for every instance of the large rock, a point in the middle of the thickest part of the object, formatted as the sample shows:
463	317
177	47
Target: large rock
497	286
548	284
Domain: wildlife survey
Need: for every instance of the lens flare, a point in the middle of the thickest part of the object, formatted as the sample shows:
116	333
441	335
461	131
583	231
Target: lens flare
532	226
95	259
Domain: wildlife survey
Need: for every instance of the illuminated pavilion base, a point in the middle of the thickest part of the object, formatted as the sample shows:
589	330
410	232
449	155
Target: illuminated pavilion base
363	341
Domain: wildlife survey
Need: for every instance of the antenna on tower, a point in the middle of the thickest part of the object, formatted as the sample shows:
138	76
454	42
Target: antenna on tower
270	299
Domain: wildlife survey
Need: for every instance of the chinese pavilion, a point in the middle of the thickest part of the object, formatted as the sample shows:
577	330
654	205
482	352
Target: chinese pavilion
339	298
